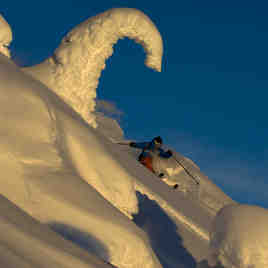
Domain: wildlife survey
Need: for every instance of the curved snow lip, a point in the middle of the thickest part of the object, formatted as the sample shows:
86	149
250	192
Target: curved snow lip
5	36
74	70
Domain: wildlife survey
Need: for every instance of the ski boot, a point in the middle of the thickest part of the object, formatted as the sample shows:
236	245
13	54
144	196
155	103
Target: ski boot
161	175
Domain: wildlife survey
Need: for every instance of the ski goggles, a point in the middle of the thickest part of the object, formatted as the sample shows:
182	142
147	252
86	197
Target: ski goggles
157	142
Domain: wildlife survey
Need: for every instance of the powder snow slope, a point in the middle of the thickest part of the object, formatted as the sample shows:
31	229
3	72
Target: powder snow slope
192	211
49	160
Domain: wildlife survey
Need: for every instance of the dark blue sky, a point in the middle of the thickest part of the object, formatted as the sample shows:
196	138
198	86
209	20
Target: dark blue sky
209	102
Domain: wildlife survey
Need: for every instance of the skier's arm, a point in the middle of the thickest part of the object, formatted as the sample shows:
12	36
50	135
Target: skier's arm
139	145
165	154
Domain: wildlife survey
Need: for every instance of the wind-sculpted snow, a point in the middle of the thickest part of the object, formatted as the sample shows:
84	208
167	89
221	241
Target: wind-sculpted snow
5	36
239	237
73	71
49	160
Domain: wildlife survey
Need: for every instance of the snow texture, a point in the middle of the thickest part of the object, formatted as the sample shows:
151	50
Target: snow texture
5	37
74	69
239	237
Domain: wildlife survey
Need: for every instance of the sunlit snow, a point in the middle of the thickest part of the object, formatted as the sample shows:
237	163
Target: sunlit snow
239	237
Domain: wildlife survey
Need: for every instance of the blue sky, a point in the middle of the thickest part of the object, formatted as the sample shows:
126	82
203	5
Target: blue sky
209	102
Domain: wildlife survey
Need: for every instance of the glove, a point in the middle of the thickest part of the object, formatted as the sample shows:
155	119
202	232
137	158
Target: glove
132	144
170	152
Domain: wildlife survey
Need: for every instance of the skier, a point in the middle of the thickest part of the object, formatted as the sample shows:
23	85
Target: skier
149	150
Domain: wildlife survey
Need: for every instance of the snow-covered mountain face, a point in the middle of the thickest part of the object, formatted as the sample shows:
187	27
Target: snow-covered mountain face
59	170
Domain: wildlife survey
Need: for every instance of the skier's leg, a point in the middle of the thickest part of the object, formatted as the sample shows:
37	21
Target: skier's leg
147	162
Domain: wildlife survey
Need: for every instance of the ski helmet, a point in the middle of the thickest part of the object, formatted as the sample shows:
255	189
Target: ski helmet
158	140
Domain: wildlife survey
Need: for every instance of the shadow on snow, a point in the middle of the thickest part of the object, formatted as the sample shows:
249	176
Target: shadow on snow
81	239
163	234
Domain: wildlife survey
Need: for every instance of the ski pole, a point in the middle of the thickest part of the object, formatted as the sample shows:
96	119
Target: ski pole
197	182
122	143
119	142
